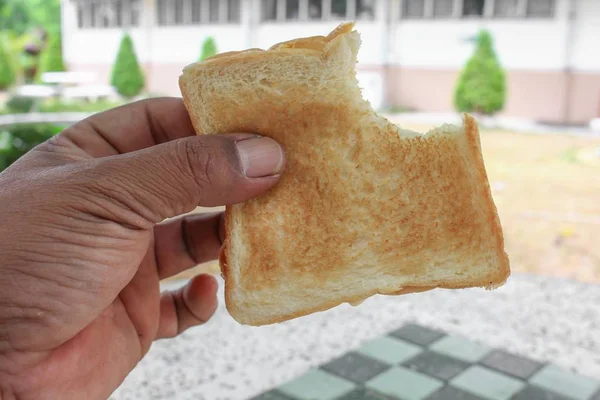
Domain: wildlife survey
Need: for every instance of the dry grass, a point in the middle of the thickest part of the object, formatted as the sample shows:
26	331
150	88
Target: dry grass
547	189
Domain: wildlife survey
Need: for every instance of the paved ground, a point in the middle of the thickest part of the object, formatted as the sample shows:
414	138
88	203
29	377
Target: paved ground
545	319
419	363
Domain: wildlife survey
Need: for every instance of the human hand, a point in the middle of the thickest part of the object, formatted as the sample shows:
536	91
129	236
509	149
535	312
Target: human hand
84	245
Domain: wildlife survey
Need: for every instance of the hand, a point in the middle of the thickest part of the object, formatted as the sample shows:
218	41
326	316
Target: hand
84	245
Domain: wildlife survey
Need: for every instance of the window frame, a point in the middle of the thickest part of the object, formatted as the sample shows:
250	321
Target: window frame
303	12
488	11
123	19
223	14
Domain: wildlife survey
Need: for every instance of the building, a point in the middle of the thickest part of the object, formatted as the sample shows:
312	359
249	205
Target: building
411	55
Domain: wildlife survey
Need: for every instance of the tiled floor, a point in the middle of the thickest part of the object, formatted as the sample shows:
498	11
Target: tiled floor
417	363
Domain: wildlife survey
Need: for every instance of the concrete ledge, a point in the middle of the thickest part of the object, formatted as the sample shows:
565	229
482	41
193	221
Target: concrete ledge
42	118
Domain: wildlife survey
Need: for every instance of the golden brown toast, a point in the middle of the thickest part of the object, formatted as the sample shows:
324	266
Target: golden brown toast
363	207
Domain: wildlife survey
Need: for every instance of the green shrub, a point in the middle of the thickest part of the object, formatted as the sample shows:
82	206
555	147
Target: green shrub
17	140
18	104
78	106
481	86
127	76
8	74
209	49
52	58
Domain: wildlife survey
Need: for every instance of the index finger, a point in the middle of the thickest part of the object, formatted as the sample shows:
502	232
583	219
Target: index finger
132	127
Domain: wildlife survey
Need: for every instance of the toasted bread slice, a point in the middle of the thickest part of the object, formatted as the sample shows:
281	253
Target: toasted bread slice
363	207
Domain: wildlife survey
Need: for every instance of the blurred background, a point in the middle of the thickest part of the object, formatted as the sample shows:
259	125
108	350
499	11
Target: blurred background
529	70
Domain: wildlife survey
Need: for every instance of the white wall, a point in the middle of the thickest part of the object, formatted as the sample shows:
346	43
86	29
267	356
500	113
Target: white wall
586	48
520	44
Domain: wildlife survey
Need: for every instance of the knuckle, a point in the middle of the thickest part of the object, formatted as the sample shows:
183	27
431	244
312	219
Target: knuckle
209	164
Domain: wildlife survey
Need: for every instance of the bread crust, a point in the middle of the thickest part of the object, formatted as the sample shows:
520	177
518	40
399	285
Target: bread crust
433	199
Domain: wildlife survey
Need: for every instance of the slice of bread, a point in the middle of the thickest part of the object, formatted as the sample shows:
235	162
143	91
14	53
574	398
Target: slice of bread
363	207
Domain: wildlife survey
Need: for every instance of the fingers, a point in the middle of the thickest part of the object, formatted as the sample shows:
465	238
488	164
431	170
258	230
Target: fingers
187	241
189	306
131	127
173	178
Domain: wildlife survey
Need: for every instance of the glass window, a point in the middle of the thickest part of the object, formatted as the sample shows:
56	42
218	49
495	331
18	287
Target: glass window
506	8
269	10
413	9
473	8
213	11
93	14
540	8
292	9
196	11
161	12
178	5
80	14
443	8
134	9
365	9
339	8
315	9
233	11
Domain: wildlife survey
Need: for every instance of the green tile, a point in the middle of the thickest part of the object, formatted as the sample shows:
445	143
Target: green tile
389	350
417	334
565	382
487	383
461	348
317	385
405	384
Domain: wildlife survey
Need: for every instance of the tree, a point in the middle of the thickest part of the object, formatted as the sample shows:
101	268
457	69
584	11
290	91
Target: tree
52	58
209	48
8	74
481	86
127	76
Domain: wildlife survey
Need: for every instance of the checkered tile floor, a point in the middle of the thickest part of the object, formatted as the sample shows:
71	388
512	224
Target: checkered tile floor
417	363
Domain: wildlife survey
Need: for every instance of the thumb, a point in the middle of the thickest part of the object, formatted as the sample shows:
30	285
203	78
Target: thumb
173	178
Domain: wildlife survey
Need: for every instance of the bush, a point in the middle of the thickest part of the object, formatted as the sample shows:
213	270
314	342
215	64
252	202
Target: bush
78	106
52	58
127	76
209	48
18	105
8	74
17	140
481	86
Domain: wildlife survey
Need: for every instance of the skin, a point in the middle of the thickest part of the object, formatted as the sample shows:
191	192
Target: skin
84	244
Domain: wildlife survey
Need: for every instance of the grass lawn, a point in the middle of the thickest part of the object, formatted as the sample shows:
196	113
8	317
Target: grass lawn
547	189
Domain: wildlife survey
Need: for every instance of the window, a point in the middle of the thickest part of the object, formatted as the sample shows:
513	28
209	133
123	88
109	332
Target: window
234	11
135	12
365	9
473	8
213	11
108	14
540	8
80	16
413	9
506	8
443	8
269	10
292	9
178	8
302	10
315	9
339	9
196	10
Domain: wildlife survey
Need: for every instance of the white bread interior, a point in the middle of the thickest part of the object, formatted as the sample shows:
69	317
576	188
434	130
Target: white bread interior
363	207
